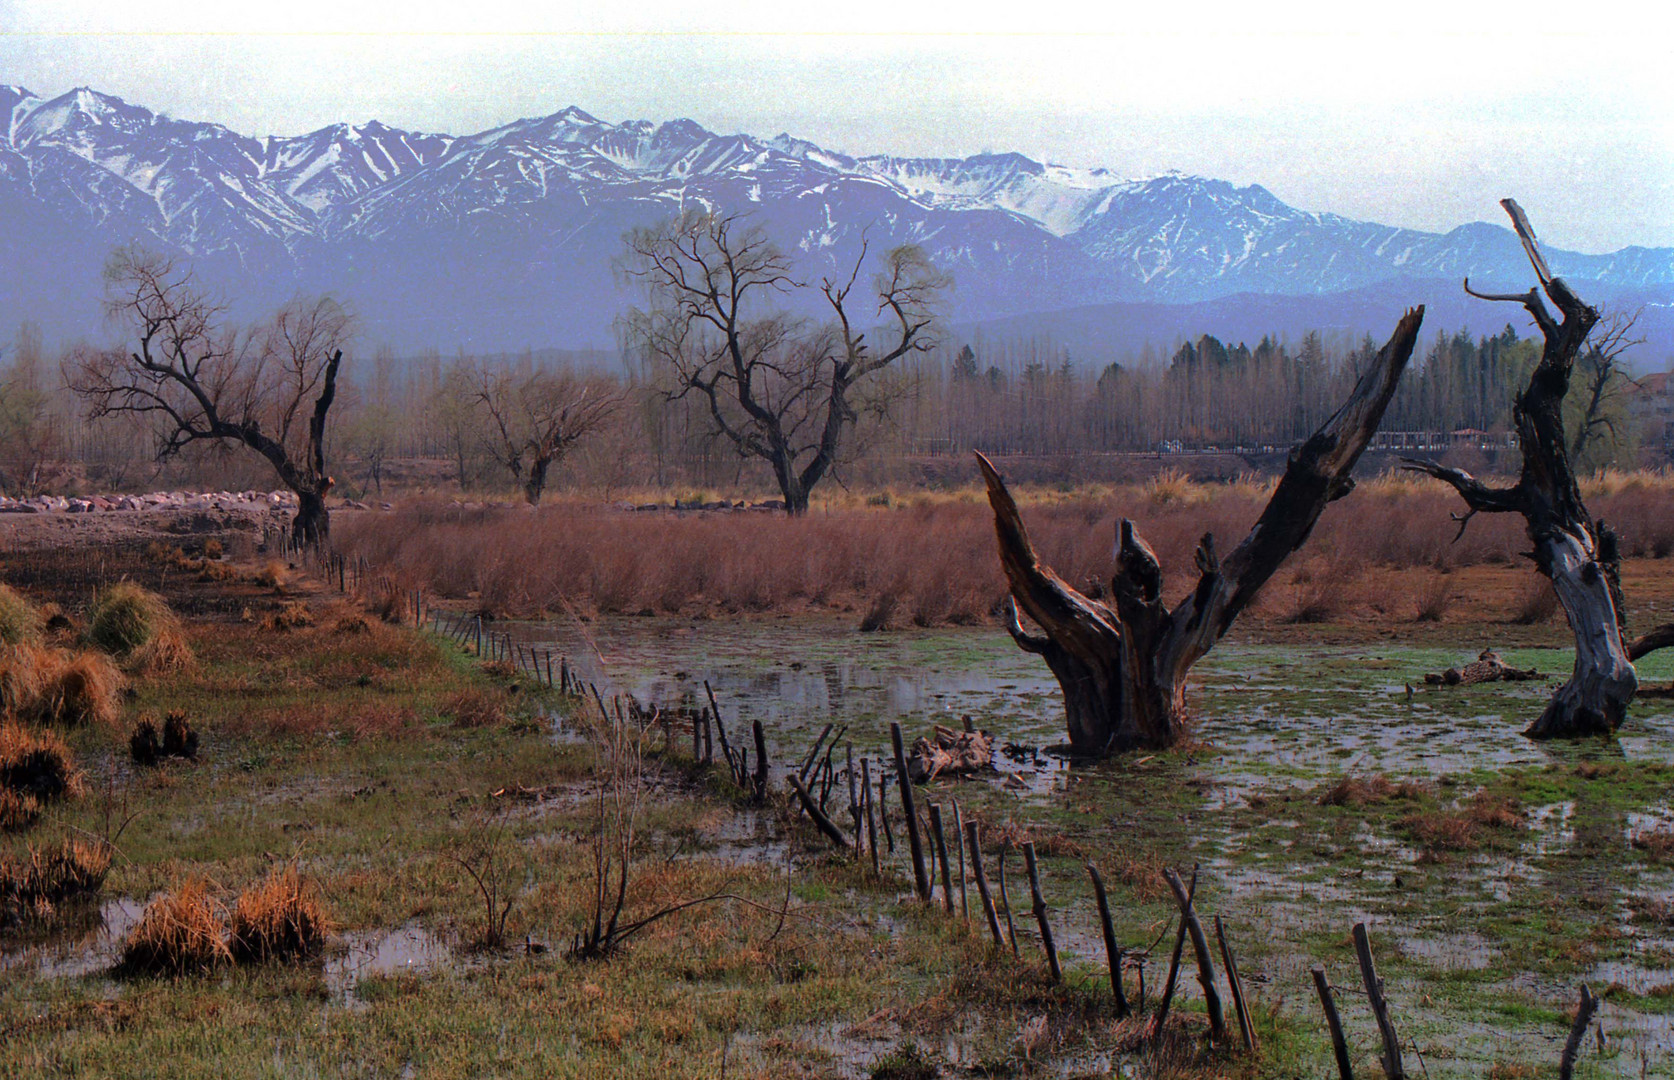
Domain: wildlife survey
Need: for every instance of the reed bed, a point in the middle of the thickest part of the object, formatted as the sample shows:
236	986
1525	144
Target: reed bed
932	561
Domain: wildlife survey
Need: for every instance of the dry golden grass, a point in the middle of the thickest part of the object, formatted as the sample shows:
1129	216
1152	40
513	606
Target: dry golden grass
1364	791
475	709
32	886
36	763
352	623
292	615
273	575
20	622
179	933
1657	844
279	918
930	558
81	688
18	811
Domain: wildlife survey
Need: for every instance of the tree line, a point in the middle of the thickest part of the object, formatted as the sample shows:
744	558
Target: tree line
727	376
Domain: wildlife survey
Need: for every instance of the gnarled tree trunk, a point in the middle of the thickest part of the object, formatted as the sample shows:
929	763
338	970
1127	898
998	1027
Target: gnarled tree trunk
1123	667
1578	554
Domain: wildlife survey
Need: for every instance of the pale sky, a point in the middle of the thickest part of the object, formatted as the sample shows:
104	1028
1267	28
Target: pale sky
1425	120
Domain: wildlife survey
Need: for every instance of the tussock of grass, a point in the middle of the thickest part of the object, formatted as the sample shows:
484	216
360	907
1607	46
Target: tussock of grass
279	918
474	709
179	933
292	615
1365	791
20	622
1657	844
81	688
36	764
32	886
177	739
137	627
352	623
18	811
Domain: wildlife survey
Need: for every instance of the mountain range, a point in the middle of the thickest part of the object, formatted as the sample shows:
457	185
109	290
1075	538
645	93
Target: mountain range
507	238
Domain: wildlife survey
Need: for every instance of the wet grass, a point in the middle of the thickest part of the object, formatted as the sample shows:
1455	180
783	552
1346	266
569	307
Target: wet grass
372	759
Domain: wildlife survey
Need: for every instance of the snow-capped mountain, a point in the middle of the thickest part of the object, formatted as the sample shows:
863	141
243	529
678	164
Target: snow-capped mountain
507	237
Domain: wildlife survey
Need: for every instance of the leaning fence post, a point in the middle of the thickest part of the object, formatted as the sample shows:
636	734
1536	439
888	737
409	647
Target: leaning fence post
1333	1024
1112	951
871	822
761	762
1578	1030
910	807
1205	964
1040	912
941	855
982	882
1245	1026
1391	1060
958	832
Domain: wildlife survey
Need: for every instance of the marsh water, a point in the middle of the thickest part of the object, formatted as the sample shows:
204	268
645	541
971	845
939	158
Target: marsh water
1272	721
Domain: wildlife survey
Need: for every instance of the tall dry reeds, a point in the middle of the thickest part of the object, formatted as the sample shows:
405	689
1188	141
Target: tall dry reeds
926	560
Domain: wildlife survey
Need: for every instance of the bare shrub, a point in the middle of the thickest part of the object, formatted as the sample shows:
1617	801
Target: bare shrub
1434	599
1536	603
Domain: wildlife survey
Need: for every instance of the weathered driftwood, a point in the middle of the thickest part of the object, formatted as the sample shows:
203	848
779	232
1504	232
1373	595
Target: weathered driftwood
1576	552
956	753
871	821
1123	666
1487	667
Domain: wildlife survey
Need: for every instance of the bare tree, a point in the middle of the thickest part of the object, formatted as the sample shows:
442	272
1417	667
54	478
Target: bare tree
1123	668
536	417
197	380
1599	407
1578	554
27	436
775	387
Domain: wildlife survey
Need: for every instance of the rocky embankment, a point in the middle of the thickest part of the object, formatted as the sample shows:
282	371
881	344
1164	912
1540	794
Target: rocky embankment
154	501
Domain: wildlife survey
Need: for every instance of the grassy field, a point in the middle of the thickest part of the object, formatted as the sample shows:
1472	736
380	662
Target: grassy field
390	767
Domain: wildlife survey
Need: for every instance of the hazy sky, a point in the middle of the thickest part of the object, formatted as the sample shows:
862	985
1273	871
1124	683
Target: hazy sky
1424	121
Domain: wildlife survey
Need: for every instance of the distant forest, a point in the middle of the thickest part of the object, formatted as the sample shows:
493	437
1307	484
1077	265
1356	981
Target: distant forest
1020	397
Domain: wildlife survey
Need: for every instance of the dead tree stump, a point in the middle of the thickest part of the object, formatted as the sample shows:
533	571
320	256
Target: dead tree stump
1123	667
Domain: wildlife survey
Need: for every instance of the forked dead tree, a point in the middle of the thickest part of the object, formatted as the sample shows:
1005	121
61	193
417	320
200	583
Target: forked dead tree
1123	668
1578	554
198	381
